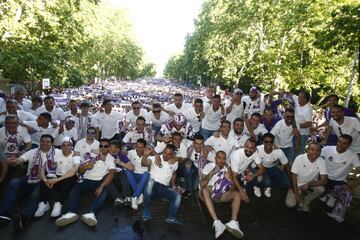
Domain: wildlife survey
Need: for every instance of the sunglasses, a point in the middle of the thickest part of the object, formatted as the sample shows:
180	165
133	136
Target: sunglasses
268	142
135	108
196	156
156	111
199	118
104	146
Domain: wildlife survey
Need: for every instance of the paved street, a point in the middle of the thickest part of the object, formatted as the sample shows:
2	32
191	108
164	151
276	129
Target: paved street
260	219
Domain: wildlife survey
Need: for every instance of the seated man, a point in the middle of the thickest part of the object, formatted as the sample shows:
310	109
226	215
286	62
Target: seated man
161	176
30	184
216	185
66	129
246	166
140	176
273	176
14	141
58	178
306	183
340	160
122	165
96	172
139	132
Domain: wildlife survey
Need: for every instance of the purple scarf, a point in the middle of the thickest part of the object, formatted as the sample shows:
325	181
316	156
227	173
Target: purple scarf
345	197
50	164
34	172
88	124
12	146
221	186
87	158
202	160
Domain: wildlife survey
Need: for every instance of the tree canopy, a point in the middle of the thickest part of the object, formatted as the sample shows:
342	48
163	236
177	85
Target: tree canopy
273	44
71	42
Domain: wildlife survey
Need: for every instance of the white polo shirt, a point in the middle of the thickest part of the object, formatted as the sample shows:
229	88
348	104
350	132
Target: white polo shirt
350	126
180	152
339	164
239	162
83	147
283	134
109	123
22	116
72	133
131	117
270	160
164	173
212	118
150	118
307	171
259	131
64	164
193	118
237	111
171	107
218	144
253	106
35	137
238	140
56	114
25	105
100	169
135	159
207	169
30	157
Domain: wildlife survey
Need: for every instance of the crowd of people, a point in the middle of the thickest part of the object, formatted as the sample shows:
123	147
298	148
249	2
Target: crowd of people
170	143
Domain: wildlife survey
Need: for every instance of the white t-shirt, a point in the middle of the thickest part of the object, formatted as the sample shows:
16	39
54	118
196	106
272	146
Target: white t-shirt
210	166
56	114
132	136
83	147
135	159
253	106
218	144
162	175
30	157
22	116
283	134
180	152
171	107
239	162
238	140
25	105
212	118
193	118
270	160
100	169
35	137
76	118
109	123
64	164
237	111
259	131
150	118
307	171
303	114
131	118
22	137
72	133
350	126
339	165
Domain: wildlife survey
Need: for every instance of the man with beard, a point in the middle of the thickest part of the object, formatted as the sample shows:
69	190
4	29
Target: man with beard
253	103
246	165
178	106
237	134
49	107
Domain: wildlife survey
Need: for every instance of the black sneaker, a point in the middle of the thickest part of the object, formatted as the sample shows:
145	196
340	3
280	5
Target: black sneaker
17	220
186	194
4	221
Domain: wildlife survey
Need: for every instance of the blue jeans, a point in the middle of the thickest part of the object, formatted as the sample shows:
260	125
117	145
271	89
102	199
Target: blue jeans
275	177
157	190
303	142
137	181
84	187
20	184
290	154
191	174
206	133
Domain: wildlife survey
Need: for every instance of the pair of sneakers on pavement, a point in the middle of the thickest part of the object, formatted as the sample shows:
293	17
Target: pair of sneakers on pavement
232	226
44	207
267	192
88	218
136	201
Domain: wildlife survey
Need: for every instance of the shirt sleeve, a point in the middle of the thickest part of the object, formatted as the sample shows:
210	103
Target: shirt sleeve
110	162
282	157
208	167
27	156
295	166
322	167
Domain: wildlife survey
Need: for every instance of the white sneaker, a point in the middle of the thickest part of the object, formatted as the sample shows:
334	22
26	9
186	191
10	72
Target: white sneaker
337	218
89	219
324	198
42	208
56	210
219	228
234	229
134	203
66	219
141	199
257	192
331	201
267	192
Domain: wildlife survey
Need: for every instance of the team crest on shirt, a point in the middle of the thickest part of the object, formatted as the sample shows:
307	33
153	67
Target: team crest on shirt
11	148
